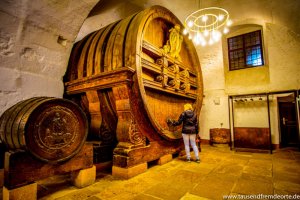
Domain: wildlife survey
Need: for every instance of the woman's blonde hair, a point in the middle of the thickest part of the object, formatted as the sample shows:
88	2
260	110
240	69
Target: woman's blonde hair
188	107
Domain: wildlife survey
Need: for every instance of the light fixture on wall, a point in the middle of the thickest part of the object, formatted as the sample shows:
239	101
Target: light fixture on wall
206	25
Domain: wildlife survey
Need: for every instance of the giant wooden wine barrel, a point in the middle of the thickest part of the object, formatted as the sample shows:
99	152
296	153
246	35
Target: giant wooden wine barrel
162	83
51	129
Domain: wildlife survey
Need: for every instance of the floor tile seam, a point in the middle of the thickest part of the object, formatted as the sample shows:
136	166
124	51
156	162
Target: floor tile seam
73	192
213	172
285	190
253	181
113	196
273	177
149	195
107	188
236	181
88	191
260	168
244	167
294	155
257	181
218	165
206	198
273	184
259	172
255	161
195	186
263	168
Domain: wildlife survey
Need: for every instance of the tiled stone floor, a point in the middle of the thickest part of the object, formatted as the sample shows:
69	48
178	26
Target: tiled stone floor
221	172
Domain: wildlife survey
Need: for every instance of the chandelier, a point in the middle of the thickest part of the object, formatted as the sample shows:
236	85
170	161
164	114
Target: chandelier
206	26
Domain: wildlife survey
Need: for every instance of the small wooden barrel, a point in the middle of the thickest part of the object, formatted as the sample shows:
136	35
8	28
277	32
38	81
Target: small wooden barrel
51	129
219	135
163	82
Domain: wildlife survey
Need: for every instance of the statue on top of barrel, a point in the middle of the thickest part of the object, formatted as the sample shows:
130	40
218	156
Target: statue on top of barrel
173	45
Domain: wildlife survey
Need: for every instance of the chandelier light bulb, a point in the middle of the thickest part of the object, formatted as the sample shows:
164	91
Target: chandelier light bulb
229	22
203	43
216	35
199	36
226	30
196	40
206	33
190	24
210	42
204	18
190	37
221	17
213	33
185	31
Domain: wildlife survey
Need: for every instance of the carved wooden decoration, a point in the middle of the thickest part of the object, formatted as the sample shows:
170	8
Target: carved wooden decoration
143	84
173	45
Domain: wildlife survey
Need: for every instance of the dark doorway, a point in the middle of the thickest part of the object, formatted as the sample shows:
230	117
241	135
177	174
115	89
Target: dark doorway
288	121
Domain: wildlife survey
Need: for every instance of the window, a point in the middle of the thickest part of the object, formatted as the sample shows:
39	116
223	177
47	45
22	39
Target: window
245	51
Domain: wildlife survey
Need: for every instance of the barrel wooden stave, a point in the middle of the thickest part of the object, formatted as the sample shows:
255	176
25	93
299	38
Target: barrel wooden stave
8	125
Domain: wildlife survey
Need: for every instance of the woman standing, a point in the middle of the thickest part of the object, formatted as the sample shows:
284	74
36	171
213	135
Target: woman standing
189	131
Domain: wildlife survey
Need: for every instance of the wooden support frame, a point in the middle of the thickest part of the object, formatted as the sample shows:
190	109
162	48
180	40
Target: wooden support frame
21	168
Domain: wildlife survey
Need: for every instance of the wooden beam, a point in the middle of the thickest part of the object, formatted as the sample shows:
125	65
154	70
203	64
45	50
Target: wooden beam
100	81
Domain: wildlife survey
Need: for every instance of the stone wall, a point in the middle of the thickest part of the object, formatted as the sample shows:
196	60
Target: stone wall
36	38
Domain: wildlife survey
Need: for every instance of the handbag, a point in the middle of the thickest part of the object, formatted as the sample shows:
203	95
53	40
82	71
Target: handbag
198	142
